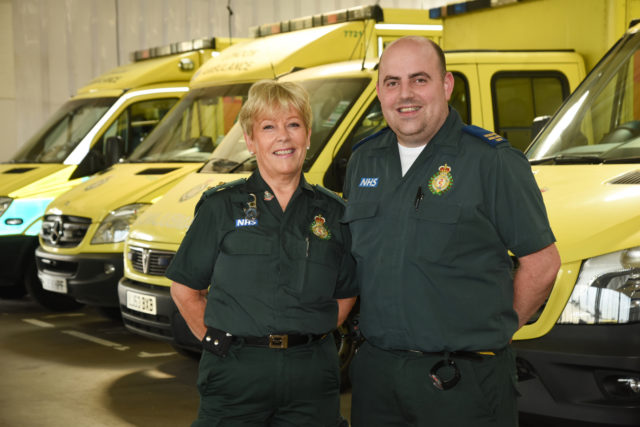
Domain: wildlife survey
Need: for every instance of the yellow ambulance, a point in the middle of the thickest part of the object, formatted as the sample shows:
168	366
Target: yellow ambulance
346	110
104	122
579	358
83	231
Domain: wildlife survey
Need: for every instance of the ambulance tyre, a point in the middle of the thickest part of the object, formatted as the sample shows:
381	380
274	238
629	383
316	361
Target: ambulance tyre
49	300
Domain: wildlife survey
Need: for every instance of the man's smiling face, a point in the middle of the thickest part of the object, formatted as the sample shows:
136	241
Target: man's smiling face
412	91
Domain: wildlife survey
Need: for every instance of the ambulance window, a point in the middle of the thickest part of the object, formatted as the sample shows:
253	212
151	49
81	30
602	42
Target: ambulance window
371	122
195	127
64	131
460	96
331	100
519	97
135	123
600	123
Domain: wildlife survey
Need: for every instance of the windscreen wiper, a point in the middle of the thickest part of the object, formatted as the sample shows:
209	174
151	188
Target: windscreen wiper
620	160
563	159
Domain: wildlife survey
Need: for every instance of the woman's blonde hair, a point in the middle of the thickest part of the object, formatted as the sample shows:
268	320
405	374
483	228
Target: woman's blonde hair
267	95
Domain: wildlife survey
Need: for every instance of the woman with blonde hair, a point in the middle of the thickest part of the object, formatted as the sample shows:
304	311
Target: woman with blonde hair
263	276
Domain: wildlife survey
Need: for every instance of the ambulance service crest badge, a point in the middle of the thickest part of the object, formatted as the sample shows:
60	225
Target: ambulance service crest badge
441	181
319	228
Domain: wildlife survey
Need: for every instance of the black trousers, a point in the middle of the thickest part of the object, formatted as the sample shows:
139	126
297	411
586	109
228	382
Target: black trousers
393	388
257	386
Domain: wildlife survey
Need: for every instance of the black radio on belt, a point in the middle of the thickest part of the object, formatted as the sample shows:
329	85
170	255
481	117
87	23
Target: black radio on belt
217	341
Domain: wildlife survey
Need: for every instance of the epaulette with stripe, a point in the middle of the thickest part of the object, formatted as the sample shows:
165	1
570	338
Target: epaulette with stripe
368	138
329	193
491	138
217	188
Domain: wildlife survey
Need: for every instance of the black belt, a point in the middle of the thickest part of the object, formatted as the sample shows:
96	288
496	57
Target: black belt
279	340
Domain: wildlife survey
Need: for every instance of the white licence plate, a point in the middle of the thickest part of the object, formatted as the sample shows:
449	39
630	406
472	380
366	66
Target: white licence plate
141	302
53	283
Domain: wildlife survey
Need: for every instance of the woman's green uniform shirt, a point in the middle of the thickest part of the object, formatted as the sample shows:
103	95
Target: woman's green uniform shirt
279	274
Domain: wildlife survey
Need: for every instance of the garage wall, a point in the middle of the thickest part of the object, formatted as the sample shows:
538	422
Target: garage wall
50	48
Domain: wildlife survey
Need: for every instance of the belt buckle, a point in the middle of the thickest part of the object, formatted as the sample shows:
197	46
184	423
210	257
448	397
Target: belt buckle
278	341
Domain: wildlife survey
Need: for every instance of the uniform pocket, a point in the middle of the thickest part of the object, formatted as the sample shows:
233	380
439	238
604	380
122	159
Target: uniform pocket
360	217
434	226
245	243
321	269
359	210
243	261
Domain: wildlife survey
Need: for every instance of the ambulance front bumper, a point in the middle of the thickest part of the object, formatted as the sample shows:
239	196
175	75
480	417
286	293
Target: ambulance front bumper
88	278
588	373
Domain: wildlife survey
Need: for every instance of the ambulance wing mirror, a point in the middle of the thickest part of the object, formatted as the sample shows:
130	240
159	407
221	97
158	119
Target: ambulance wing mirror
113	150
537	125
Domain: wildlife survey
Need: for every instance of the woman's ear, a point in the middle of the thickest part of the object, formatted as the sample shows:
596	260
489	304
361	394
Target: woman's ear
250	143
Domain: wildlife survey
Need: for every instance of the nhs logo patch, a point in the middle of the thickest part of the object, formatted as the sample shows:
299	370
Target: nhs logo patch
368	182
244	222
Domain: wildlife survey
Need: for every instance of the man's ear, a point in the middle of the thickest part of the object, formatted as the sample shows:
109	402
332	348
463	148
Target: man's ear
448	85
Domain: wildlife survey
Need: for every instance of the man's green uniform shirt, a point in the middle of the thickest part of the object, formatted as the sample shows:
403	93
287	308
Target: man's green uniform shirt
432	247
279	273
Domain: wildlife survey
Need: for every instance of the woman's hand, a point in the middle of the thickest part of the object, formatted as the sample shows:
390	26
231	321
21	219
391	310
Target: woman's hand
191	304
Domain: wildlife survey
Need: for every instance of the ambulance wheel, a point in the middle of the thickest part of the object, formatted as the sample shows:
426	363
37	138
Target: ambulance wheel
50	300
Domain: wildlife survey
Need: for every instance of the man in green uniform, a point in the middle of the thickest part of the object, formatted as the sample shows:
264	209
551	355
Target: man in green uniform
434	206
273	258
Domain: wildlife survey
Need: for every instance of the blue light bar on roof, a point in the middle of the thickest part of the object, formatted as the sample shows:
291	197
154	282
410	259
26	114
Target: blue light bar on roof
359	13
465	7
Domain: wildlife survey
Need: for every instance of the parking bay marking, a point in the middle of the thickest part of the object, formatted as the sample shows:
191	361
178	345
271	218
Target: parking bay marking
56	316
39	323
96	340
144	354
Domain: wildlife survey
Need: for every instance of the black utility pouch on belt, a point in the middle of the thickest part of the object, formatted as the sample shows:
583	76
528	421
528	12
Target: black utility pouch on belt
217	341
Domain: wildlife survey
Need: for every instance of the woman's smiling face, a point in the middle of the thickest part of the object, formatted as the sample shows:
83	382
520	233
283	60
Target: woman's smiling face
279	141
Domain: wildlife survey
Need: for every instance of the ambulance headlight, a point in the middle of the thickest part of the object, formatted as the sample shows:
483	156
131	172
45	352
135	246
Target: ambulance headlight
607	290
115	227
4	204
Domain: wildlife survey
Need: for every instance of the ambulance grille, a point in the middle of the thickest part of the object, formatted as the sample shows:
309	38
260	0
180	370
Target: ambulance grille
64	231
149	261
627	178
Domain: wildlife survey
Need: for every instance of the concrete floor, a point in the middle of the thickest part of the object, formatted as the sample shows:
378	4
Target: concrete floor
84	369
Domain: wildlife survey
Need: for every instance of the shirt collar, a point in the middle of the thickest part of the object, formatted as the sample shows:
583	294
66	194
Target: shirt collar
447	136
255	184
